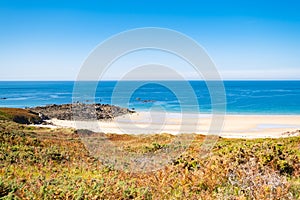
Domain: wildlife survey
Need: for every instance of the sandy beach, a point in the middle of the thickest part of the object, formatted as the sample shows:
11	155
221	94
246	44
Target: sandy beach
233	126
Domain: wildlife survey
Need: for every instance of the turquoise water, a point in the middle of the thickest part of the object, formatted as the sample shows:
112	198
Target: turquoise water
242	97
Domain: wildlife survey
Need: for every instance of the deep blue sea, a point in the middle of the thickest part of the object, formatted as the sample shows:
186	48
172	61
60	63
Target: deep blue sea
242	97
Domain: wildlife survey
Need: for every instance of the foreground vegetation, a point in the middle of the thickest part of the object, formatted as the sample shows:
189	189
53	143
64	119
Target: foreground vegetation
19	115
44	163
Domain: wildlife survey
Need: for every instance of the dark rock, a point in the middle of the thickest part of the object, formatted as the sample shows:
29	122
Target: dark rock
146	100
80	111
24	120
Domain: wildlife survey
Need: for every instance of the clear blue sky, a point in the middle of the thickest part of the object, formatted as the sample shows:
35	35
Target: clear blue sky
49	40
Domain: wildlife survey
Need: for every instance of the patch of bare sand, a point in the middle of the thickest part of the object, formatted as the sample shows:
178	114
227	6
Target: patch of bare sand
234	126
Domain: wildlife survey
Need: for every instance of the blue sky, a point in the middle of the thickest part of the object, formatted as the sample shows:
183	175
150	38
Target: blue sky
49	40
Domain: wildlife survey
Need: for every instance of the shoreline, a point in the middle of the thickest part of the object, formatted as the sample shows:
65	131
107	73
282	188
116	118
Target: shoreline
226	113
234	126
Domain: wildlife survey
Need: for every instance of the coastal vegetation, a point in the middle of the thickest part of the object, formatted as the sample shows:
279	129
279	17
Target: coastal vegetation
45	163
19	115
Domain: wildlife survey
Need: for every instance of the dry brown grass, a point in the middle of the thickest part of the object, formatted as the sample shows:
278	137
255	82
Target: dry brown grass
42	163
19	115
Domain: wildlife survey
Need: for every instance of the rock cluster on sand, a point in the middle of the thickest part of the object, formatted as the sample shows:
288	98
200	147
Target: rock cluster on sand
80	111
292	133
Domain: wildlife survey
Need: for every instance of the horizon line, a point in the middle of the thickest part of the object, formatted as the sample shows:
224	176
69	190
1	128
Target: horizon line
67	80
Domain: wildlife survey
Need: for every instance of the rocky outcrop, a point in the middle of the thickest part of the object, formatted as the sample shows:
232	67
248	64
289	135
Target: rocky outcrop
145	100
291	133
80	111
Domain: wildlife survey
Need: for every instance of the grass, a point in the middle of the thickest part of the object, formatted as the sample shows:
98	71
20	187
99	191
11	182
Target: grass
19	115
43	163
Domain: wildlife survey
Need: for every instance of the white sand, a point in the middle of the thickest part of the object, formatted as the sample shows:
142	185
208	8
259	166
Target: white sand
234	126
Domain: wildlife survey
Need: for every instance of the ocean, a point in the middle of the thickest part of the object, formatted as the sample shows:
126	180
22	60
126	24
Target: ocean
242	97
